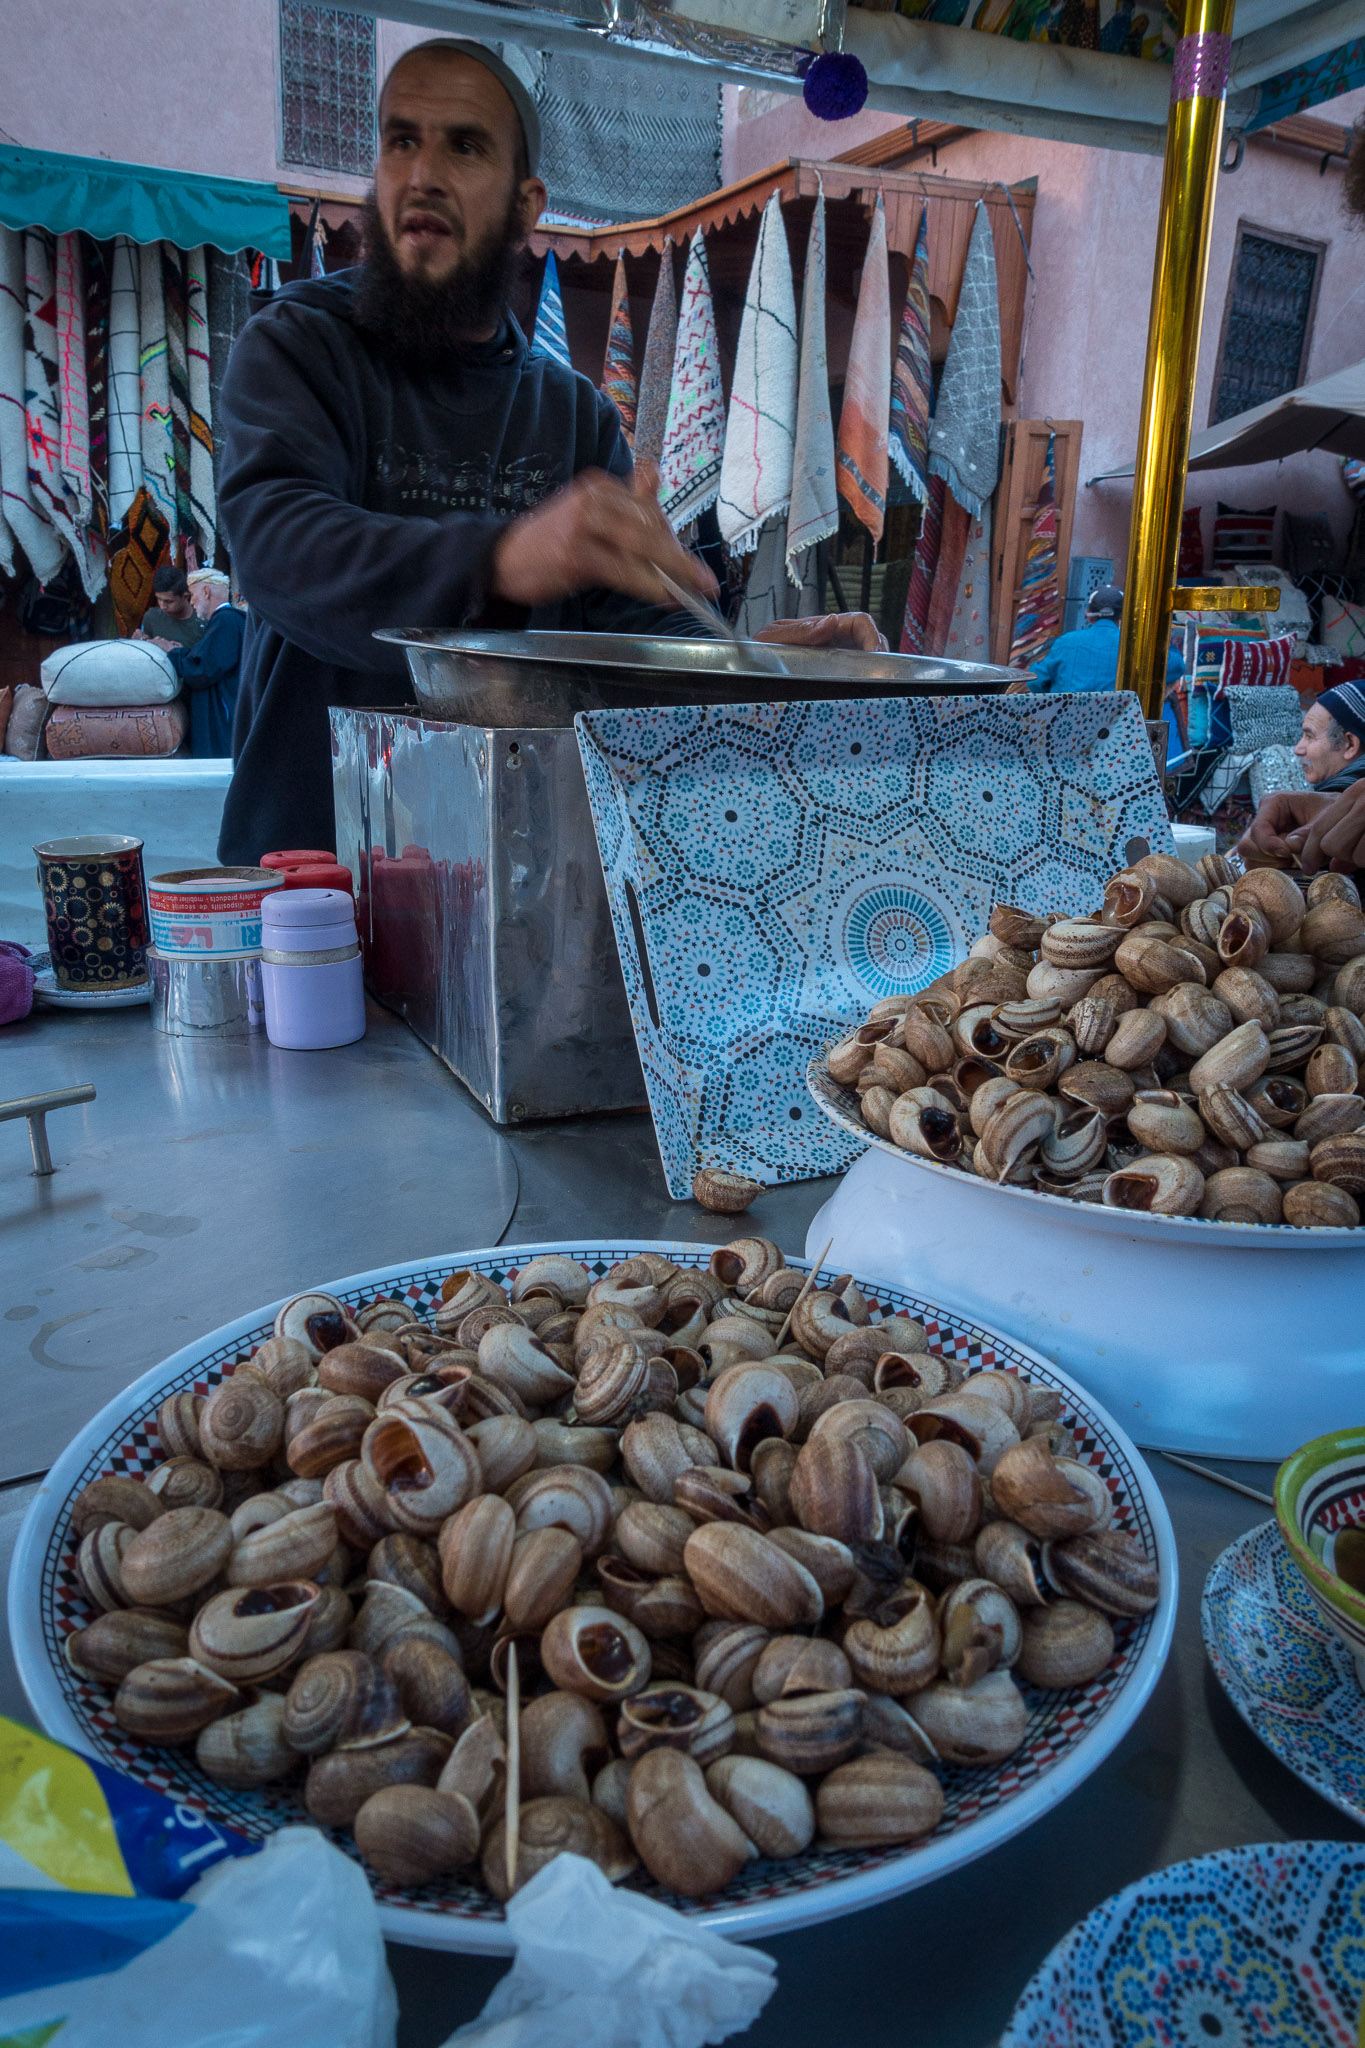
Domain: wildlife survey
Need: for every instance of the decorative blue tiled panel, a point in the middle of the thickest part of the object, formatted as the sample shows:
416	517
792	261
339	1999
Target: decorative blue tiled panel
790	864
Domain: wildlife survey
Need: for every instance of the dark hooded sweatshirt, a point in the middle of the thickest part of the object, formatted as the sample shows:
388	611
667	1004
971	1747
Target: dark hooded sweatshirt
355	494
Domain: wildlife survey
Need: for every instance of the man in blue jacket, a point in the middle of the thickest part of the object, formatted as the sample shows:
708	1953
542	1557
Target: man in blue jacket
209	670
396	456
1089	659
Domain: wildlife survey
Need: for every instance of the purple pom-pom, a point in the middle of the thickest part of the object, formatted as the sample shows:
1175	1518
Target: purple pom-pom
835	86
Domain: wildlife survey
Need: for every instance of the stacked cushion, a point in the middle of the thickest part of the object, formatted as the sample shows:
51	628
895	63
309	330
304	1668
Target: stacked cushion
1242	536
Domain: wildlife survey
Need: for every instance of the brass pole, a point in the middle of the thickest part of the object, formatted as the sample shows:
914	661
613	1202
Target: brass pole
1194	144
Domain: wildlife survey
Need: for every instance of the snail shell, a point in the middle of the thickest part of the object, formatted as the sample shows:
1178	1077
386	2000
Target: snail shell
476	1555
833	1493
423	1463
408	1561
117	1642
811	1732
1063	1645
771	1806
388	1615
241	1425
544	1566
358	1502
1153	965
983	1428
253	1632
1248	997
247	1749
1312	1205
329	1431
294	1546
360	1368
1105	1568
685	1838
1164	1122
791	1665
339	1784
1160	1185
618	1383
1288	973
339	1700
899	1652
568	1277
564	1745
746	1405
1334	931
430	1682
177	1425
973	1724
875	1801
556	1443
727	1655
1137	1038
944	1483
508	1445
571	1497
410	1834
169	1699
1340	1161
740	1576
981	1630
113	1498
317	1321
1278	1100
514	1358
1013	1559
1240	1194
671	1716
99	1564
1231	1118
186	1483
1049	1496
848	1057
283	1363
174	1556
555	1827
745	1261
595	1652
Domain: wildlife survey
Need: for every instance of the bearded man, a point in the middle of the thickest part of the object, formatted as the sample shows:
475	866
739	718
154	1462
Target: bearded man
396	456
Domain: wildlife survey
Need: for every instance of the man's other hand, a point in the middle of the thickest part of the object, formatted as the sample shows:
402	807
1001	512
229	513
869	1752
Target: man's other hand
1334	836
1265	838
856	632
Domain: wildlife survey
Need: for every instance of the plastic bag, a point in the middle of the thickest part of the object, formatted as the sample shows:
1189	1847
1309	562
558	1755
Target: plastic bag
127	1921
602	1968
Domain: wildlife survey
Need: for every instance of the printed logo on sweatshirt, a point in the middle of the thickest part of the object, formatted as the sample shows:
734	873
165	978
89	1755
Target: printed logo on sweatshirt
411	479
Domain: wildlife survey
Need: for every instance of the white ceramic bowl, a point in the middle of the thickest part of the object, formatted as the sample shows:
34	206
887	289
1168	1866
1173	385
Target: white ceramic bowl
1069	1735
1231	1340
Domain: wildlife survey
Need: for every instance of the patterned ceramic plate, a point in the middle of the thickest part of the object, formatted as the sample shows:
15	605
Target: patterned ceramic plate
1069	1734
1288	1674
47	989
774	869
840	1105
1258	1945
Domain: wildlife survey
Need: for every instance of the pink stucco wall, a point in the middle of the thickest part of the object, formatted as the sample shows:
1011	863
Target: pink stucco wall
1094	236
193	86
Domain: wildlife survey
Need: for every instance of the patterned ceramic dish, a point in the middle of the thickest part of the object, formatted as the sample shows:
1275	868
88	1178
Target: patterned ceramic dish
1285	1671
840	1105
47	989
1319	1492
1069	1733
775	869
1260	1944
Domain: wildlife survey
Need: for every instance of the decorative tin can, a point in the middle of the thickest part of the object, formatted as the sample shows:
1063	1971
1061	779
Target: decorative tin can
96	911
210	913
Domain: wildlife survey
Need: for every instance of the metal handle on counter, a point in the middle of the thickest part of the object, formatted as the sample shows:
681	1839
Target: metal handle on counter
35	1108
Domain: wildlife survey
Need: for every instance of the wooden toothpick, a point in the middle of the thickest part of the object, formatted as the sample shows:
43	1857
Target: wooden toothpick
810	1282
513	1806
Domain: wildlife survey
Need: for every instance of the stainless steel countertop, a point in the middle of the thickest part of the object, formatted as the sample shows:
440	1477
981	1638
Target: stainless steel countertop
206	1180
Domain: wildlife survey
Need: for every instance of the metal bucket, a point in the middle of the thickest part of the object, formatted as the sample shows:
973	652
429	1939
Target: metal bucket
545	679
194	997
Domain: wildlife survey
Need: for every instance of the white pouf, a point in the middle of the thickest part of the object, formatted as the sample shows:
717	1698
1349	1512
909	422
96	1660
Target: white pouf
109	672
1192	842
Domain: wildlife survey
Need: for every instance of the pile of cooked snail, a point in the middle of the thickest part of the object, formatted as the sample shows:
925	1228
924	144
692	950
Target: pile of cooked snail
1193	1048
676	1567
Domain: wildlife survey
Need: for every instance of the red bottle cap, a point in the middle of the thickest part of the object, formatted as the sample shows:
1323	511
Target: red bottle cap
319	874
298	857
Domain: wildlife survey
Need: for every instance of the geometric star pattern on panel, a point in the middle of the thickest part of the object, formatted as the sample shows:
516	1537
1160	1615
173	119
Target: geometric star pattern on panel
784	866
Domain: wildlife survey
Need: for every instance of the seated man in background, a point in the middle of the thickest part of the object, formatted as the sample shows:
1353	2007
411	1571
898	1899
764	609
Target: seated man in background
171	615
1331	746
209	673
1089	659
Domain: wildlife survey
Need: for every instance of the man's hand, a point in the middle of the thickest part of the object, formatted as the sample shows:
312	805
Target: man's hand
166	646
1287	811
597	533
1335	835
857	632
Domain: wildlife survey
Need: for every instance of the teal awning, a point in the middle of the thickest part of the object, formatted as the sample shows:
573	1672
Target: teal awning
62	193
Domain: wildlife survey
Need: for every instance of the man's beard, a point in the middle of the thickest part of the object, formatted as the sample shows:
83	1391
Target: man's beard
428	323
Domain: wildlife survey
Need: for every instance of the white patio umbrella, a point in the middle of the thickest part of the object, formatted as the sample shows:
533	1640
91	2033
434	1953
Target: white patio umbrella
1327	414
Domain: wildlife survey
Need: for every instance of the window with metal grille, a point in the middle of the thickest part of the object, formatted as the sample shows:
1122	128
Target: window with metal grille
327	87
1267	321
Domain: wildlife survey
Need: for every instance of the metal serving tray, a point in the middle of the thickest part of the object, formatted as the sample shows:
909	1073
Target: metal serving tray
545	679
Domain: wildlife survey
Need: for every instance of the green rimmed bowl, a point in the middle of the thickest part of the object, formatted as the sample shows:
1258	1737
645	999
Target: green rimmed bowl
1320	1491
